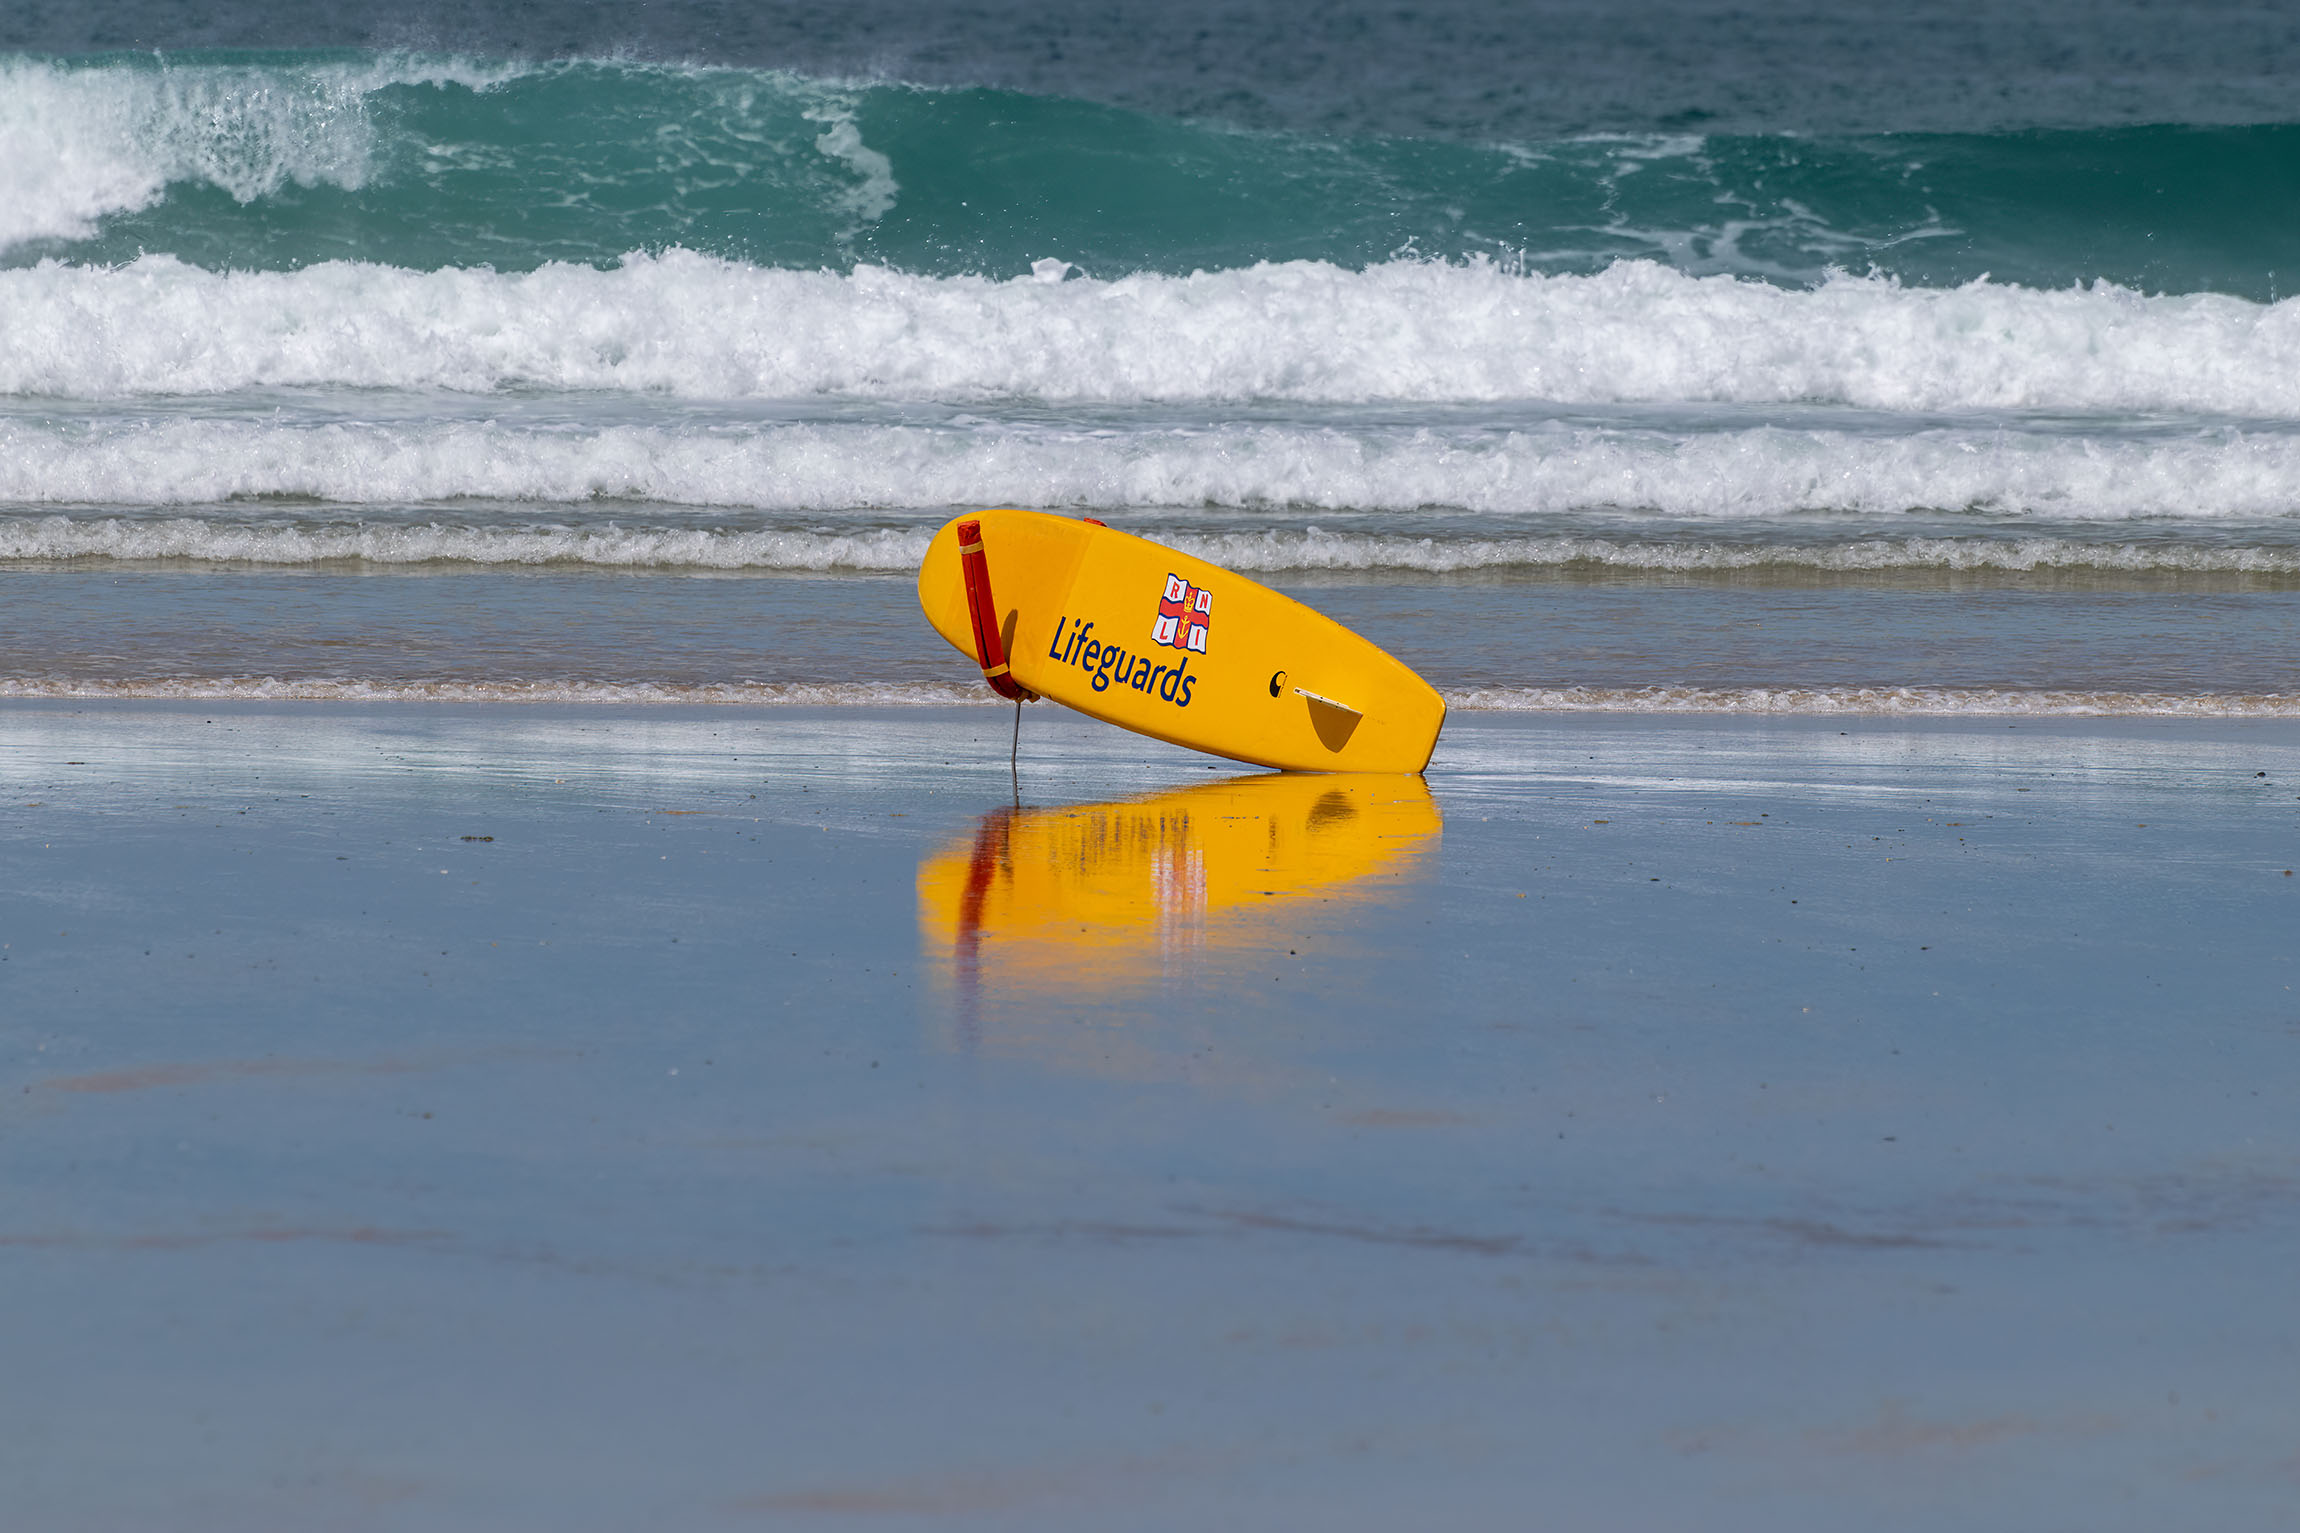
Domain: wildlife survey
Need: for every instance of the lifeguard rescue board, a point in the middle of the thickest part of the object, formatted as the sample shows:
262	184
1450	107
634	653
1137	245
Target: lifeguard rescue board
1150	639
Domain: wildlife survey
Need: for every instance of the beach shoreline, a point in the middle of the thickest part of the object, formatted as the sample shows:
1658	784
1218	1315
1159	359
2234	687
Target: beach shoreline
498	1117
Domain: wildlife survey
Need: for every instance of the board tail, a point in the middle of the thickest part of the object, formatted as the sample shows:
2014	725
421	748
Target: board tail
989	643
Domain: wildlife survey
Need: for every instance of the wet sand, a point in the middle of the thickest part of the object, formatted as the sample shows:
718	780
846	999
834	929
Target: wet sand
564	1118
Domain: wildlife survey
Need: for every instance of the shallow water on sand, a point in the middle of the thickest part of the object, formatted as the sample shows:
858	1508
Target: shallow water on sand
1972	643
1769	1123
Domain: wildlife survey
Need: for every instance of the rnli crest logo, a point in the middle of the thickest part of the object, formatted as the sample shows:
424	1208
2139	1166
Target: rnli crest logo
1185	612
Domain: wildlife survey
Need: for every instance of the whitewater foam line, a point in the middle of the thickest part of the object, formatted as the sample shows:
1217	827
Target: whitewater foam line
693	326
1944	702
815	467
203	541
1277	553
221	689
1815	701
890	550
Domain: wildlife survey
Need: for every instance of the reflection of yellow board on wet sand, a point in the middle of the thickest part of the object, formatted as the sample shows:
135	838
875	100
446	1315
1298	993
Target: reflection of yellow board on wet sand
1093	896
1152	640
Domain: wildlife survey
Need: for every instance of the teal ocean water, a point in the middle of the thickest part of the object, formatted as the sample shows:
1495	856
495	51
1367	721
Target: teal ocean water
235	161
469	304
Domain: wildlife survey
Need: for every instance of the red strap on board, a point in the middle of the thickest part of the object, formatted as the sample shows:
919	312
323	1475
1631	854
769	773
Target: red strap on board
989	647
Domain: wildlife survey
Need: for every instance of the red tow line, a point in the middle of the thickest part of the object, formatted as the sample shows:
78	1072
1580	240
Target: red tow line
989	647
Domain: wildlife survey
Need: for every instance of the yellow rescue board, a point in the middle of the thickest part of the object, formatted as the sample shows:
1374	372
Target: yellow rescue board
1141	636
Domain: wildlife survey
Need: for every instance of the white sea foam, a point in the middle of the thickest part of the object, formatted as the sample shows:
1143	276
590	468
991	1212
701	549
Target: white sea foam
77	144
873	195
1711	475
212	539
1812	701
218	689
1909	701
1313	550
695	326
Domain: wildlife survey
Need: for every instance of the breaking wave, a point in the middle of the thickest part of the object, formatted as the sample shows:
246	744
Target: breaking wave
692	326
280	160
